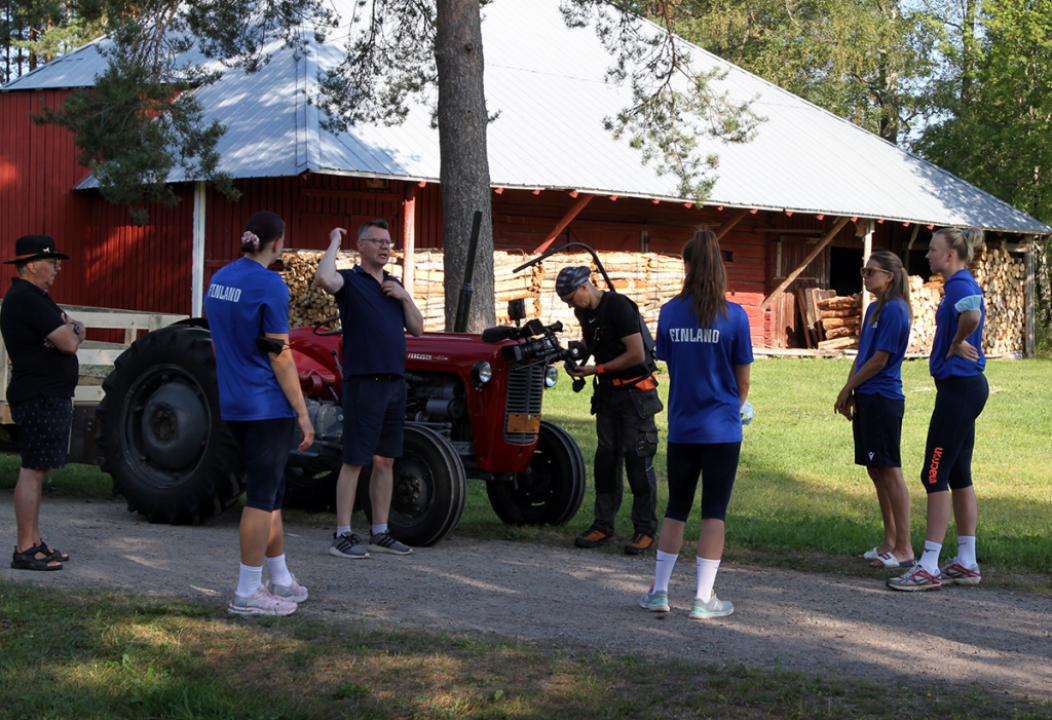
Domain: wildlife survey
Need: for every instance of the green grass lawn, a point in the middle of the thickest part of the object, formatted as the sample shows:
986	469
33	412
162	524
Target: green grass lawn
798	492
95	656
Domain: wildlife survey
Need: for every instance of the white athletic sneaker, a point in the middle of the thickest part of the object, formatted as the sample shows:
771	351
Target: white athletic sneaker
260	603
655	601
293	592
957	574
714	608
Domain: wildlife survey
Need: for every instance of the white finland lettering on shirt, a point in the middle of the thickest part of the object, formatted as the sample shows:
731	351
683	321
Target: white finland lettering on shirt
703	335
222	292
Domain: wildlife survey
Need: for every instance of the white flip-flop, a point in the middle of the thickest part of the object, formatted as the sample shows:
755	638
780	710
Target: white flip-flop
873	554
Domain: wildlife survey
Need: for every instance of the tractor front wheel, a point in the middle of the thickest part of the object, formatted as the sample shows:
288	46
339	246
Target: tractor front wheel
551	491
429	489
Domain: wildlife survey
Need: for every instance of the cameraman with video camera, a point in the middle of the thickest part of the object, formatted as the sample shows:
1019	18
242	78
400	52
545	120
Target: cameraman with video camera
624	402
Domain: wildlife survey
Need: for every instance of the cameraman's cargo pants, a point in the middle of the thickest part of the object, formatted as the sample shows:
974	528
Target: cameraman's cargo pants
624	423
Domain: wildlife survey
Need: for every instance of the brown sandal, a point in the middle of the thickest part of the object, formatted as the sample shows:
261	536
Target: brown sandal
28	560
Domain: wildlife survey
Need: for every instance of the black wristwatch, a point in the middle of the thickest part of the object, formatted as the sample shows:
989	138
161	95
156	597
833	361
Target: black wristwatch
76	330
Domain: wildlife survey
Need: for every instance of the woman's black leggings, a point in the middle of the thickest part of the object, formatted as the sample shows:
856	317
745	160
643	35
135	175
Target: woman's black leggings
951	433
716	463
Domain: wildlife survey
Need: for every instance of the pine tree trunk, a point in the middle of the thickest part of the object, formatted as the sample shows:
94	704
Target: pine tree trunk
464	175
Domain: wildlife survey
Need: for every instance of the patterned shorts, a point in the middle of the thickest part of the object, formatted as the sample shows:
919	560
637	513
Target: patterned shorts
43	431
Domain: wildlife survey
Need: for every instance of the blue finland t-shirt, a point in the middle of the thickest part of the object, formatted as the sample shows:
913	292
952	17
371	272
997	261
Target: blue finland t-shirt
373	326
703	402
245	300
960	294
891	334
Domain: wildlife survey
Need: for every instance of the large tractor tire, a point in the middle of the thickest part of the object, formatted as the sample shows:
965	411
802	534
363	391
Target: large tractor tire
430	489
552	491
169	452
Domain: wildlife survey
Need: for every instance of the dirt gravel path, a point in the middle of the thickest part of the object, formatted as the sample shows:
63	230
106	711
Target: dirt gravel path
801	621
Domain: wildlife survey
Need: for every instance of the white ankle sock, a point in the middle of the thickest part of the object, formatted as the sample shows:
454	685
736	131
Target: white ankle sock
379	529
966	551
706	578
930	559
663	571
342	530
249	580
279	571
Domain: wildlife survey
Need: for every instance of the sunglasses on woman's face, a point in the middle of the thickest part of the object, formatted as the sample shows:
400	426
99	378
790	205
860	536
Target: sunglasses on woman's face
867	271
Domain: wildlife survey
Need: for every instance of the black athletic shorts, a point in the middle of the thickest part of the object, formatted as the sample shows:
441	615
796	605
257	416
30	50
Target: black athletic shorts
716	463
265	447
951	433
373	417
877	427
43	431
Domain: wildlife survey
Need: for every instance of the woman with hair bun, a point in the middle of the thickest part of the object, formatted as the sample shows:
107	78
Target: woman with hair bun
707	344
261	401
872	400
957	364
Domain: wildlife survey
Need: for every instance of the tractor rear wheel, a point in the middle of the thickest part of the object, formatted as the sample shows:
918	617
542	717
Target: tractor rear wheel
430	489
168	450
550	493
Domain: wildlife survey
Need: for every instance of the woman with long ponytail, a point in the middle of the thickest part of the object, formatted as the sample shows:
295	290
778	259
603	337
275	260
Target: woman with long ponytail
872	400
706	342
957	364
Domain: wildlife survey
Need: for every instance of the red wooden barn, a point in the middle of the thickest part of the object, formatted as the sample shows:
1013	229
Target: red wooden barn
555	171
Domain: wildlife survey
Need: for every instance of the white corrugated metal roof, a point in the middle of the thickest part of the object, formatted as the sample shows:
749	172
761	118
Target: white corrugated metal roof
547	82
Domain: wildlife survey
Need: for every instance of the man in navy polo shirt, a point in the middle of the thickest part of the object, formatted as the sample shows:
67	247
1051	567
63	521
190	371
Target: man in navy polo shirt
374	310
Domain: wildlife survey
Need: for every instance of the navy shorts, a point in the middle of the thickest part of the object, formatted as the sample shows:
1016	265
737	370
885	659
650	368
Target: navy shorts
951	433
877	426
715	463
373	417
43	431
265	447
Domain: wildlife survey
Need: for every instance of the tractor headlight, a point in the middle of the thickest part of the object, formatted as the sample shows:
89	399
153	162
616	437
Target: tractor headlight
551	376
482	372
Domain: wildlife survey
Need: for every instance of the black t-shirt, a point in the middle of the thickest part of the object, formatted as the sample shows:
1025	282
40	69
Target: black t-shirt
615	317
28	315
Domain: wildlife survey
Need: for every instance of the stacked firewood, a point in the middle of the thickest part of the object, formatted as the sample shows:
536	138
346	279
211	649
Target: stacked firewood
650	280
840	318
925	297
308	303
1002	278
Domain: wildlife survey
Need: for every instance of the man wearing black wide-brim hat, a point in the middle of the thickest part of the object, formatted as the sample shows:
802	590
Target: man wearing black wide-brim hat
41	341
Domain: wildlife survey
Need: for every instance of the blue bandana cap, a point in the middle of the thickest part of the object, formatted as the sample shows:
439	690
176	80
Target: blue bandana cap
571	278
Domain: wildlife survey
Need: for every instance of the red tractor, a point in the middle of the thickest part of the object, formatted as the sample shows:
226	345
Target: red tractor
474	411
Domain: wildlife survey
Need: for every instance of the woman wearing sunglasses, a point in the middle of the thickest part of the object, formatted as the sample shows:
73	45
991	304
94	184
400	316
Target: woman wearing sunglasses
872	400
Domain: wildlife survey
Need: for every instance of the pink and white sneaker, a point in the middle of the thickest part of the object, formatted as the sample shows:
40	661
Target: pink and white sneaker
915	579
957	574
293	592
260	602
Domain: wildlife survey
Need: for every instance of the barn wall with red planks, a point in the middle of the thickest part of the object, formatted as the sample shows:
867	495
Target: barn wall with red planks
38	171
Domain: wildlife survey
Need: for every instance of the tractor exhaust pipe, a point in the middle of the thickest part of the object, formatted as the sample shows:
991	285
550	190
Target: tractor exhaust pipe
460	325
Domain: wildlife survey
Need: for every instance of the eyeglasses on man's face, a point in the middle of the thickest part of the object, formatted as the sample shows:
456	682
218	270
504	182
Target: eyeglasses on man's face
57	264
379	242
868	271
